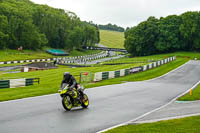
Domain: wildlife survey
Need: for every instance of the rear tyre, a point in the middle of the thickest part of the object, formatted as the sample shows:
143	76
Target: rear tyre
67	102
85	101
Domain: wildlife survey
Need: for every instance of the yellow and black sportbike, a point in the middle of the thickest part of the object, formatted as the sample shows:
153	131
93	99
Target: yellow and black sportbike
74	98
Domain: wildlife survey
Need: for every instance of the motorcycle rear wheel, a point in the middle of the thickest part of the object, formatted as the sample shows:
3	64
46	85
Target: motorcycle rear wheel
85	101
67	102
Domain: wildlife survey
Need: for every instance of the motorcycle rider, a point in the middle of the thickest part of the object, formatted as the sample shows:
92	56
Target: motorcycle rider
69	80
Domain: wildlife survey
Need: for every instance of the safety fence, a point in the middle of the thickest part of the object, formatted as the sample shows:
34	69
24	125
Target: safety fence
67	59
13	83
123	72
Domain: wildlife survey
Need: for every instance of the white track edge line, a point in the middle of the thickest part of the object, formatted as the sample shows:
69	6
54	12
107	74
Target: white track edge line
131	121
167	118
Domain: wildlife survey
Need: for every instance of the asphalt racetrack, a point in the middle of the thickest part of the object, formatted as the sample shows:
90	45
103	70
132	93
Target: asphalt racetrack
109	105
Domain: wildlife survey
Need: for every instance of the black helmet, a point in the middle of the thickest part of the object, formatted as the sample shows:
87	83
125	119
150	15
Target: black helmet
67	76
67	73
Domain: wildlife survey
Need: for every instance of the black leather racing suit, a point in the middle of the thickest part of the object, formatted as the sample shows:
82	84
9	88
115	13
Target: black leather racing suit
70	80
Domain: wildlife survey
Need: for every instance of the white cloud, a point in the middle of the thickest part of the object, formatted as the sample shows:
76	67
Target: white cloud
123	12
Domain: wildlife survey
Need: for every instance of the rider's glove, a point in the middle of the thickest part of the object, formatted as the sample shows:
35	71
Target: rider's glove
59	90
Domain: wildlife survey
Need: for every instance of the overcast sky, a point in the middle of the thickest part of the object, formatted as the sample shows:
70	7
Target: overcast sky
125	13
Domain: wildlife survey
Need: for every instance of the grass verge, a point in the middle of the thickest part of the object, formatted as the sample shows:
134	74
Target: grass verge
195	95
153	73
184	125
50	79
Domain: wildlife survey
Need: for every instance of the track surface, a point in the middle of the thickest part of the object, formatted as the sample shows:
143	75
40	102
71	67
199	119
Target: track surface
109	105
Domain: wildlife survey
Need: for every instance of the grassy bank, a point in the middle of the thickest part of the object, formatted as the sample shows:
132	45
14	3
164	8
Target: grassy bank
112	39
184	125
12	55
195	95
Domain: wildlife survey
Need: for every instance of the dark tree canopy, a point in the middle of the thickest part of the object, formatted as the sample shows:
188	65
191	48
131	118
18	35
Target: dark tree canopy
169	34
112	27
23	23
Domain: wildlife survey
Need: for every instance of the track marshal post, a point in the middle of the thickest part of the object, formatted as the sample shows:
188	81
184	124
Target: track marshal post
190	91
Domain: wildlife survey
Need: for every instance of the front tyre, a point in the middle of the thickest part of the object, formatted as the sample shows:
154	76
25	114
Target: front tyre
67	102
85	101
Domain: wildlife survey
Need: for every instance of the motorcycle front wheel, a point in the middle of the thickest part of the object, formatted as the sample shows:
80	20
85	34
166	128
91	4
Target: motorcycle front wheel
85	101
67	102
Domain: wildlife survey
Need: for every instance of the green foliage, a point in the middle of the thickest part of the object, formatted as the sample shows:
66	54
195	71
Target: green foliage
169	38
3	35
190	29
112	27
169	34
139	40
23	23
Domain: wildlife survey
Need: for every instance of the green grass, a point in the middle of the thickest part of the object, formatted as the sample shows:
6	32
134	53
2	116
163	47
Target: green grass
191	55
12	55
184	125
150	58
136	59
50	79
195	95
153	73
112	39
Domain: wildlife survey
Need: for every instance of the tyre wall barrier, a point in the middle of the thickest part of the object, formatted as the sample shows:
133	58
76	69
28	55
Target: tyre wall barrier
123	72
13	83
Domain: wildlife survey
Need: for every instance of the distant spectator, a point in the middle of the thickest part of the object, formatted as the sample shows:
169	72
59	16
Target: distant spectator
55	62
21	49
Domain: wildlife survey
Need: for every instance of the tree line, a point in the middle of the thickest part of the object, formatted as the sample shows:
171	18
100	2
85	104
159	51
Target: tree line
112	27
164	35
33	26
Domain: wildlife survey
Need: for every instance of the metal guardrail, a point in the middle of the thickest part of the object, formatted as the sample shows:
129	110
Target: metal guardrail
13	83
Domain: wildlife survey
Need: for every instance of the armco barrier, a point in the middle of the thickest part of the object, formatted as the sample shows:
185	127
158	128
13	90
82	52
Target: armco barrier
17	83
4	84
29	81
126	71
98	76
111	74
117	74
105	75
123	72
13	83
